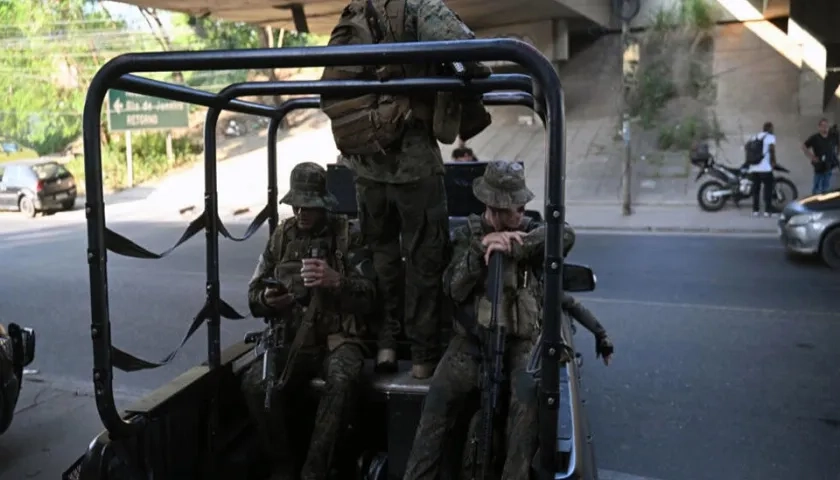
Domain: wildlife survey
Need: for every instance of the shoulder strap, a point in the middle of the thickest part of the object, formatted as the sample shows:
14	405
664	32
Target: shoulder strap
341	230
284	227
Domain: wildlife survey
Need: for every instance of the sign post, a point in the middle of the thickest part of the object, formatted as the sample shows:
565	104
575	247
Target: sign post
128	112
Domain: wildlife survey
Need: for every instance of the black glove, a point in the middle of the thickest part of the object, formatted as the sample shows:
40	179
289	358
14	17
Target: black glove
603	347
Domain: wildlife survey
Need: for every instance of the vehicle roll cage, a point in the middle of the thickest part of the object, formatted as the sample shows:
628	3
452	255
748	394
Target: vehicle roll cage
541	91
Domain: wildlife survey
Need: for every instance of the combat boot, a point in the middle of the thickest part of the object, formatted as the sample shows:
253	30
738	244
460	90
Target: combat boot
474	118
422	371
386	361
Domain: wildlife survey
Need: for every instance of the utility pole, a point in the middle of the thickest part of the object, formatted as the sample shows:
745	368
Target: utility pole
626	72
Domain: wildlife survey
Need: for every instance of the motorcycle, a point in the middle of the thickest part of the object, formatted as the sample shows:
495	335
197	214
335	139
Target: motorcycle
731	182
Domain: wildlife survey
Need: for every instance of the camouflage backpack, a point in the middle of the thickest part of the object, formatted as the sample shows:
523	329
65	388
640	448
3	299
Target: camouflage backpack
367	124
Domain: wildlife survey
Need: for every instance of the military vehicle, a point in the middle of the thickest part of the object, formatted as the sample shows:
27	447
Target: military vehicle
197	426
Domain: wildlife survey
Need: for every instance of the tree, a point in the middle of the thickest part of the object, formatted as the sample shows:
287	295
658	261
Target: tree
51	50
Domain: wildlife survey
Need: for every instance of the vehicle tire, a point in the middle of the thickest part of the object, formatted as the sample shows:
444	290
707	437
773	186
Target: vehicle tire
708	203
830	248
68	204
27	206
784	192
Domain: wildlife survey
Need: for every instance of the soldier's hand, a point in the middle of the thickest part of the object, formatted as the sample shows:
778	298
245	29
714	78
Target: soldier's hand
604	348
505	238
317	273
277	299
495	247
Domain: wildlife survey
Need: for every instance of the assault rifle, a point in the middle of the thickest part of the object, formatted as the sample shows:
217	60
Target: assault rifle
270	339
493	354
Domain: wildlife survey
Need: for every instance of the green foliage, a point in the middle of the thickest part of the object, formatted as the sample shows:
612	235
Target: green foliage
654	87
675	62
698	15
297	39
48	58
212	34
683	135
148	156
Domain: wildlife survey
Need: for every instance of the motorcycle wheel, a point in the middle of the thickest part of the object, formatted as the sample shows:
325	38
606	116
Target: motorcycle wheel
784	192
705	199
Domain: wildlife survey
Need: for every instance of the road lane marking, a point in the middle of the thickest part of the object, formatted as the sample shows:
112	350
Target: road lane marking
702	306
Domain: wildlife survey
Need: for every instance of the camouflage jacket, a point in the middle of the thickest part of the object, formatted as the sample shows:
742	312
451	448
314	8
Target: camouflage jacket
342	312
419	157
464	278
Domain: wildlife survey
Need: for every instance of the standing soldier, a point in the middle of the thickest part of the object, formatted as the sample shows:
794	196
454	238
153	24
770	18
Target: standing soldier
390	143
502	228
316	278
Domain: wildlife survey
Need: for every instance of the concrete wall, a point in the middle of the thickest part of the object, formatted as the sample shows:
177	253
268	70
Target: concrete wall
551	37
650	8
756	84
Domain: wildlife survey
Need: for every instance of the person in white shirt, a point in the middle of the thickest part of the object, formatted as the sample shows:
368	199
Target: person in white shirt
761	173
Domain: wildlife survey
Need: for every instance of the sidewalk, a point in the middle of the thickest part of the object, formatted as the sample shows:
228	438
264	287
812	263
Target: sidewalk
686	219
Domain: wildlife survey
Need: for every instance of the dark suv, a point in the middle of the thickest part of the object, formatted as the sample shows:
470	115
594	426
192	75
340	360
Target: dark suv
33	186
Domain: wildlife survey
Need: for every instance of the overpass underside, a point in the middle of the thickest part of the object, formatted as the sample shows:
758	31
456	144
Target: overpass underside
544	23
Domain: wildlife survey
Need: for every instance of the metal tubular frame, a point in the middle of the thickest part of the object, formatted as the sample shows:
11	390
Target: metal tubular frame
114	75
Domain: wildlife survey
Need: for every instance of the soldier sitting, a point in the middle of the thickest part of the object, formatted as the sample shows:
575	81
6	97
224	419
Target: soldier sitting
316	278
502	228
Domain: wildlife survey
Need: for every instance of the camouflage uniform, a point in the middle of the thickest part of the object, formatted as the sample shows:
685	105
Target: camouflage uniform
332	347
403	207
457	375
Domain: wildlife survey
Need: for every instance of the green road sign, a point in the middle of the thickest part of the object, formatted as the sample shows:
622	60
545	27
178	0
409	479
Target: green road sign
130	111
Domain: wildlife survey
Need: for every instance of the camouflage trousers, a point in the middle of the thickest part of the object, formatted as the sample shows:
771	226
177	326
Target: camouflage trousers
407	220
341	370
456	377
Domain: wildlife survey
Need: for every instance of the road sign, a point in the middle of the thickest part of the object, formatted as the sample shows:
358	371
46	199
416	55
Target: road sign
130	111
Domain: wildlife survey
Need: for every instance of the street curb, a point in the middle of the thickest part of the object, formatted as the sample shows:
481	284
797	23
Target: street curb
234	212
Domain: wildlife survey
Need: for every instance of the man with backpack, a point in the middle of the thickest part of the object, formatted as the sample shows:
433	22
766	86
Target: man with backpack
390	143
821	149
760	160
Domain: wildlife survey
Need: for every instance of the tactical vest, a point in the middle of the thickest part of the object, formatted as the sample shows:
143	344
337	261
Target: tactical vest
373	123
294	247
521	306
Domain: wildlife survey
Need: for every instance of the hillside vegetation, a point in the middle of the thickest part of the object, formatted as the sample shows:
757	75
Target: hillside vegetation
51	50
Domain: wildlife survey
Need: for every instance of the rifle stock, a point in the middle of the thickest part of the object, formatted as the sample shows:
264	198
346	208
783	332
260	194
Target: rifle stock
493	363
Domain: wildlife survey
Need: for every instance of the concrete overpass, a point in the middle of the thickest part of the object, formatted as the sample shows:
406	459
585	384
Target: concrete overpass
545	24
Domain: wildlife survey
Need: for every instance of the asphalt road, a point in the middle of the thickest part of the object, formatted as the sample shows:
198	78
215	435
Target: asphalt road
725	365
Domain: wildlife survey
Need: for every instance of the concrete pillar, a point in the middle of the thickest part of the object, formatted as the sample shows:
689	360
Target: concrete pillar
812	70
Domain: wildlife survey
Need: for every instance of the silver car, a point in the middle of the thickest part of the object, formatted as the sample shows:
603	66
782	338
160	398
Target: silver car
811	226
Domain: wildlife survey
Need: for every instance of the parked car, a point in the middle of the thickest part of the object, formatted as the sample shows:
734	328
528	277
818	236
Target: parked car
811	226
33	186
